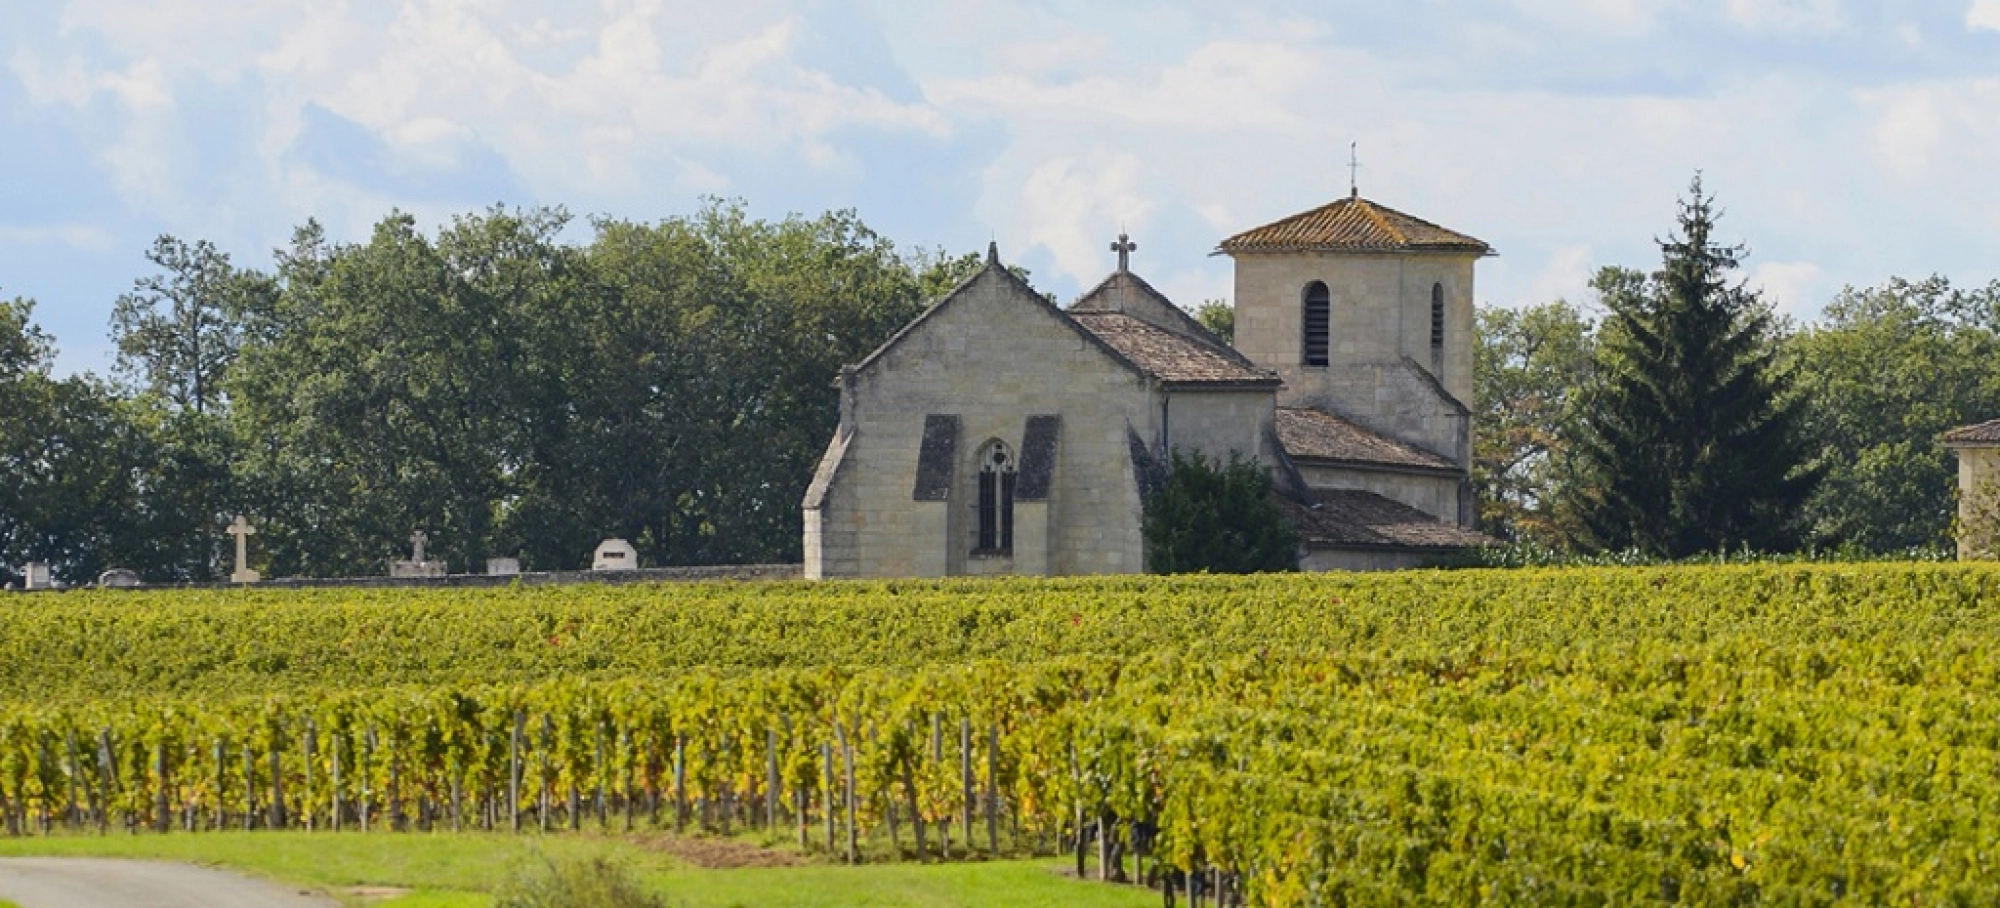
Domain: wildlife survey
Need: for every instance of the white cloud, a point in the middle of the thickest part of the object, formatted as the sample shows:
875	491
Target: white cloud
74	236
1788	16
591	106
1792	288
1068	205
1625	18
1984	14
1565	276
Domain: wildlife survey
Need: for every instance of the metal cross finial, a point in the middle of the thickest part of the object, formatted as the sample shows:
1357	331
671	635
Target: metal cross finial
417	540
1124	247
1353	170
242	530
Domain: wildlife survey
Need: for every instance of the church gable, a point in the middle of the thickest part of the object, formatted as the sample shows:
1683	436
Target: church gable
987	436
1002	300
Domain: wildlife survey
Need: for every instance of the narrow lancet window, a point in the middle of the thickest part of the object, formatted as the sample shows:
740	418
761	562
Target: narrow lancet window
996	500
1317	324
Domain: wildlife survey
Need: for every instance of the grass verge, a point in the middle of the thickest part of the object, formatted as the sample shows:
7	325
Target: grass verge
458	870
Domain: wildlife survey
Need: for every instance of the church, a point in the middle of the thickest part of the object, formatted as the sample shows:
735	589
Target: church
998	433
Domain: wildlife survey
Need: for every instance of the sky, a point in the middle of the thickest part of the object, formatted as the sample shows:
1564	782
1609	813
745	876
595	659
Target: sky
1845	141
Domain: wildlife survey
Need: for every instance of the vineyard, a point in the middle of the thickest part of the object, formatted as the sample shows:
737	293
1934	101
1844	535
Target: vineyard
1798	735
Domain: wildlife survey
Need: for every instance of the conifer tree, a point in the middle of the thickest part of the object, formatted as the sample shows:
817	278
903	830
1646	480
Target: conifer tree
1218	517
1690	442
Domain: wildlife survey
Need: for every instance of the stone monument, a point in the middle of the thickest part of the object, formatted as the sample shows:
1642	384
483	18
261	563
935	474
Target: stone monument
242	530
503	567
418	565
615	555
118	579
38	577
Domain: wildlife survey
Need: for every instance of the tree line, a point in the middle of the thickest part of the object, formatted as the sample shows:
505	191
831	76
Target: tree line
510	392
1682	416
514	393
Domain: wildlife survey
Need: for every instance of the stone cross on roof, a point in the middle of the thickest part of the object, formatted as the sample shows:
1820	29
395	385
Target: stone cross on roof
1124	247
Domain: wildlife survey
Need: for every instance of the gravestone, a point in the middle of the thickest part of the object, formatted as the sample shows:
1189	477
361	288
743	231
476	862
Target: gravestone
38	577
118	579
242	530
615	555
503	567
418	565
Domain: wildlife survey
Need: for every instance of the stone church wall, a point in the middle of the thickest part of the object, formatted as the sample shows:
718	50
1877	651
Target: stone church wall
1978	502
1216	423
993	355
1379	320
1354	560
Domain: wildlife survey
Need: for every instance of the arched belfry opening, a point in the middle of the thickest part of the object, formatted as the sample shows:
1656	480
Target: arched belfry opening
1316	326
995	521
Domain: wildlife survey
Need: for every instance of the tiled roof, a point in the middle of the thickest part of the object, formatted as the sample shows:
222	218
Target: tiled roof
1171	357
1319	435
1352	225
1351	518
1986	433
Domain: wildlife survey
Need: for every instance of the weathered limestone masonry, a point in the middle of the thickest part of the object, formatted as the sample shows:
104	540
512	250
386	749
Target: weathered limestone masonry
987	356
1399	306
1978	450
999	434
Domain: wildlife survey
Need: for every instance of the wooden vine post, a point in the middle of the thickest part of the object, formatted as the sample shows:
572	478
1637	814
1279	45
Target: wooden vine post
514	770
968	796
993	789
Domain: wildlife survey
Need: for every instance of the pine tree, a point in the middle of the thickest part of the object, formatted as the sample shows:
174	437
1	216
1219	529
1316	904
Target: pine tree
1690	442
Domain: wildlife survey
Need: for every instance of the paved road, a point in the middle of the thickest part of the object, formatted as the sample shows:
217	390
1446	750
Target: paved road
104	883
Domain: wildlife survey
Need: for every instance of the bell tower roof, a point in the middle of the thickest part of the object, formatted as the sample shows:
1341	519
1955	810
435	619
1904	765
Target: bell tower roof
1352	224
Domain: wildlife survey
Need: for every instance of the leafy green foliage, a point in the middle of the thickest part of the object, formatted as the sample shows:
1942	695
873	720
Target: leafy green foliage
1690	442
1887	370
574	882
1710	735
73	464
178	332
1217	517
513	394
1219	317
1530	367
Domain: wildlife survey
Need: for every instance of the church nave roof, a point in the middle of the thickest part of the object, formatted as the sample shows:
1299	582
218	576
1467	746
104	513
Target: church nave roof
1351	518
1172	357
1309	434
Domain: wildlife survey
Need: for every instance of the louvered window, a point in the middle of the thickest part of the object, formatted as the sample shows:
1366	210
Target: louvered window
1437	323
1317	324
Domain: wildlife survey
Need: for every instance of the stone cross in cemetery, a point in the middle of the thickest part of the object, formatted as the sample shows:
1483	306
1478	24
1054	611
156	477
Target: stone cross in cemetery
242	530
418	565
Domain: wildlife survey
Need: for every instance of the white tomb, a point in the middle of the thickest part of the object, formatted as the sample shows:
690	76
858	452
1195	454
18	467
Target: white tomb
118	579
38	577
615	555
503	567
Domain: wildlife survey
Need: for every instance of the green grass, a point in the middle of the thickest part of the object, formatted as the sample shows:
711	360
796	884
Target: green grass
455	871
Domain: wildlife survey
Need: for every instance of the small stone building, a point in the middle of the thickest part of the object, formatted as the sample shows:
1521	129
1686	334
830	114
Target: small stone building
1978	450
1000	434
